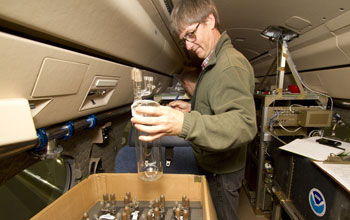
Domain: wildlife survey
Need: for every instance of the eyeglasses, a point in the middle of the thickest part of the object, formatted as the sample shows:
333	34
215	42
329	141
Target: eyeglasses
190	36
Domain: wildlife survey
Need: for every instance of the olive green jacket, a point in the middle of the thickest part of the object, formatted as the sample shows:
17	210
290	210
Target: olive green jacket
222	121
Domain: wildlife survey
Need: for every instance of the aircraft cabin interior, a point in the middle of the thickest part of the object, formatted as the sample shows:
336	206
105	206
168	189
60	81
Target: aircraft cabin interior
70	71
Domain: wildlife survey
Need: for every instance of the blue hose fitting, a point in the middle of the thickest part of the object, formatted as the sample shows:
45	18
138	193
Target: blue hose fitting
70	126
92	120
42	139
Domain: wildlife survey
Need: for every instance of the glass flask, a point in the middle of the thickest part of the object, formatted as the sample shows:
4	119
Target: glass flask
148	154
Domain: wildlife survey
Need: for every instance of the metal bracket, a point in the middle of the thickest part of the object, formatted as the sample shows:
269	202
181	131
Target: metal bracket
95	165
169	154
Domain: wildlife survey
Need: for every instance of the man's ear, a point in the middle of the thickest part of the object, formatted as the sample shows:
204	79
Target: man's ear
210	21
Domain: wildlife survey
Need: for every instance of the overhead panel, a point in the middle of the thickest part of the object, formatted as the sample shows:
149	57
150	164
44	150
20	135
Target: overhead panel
126	30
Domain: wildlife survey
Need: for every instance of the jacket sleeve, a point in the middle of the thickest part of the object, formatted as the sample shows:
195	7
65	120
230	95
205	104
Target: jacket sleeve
232	121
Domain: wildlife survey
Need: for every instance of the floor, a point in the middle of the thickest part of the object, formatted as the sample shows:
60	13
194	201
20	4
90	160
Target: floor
245	210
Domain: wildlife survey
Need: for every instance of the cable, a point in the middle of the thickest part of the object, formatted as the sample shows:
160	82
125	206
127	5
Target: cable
315	132
314	91
289	131
291	110
274	116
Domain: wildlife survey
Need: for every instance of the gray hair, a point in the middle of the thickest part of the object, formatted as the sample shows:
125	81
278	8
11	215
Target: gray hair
187	12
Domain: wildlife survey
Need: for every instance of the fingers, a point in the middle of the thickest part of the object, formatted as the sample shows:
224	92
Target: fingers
146	120
149	138
155	116
152	111
164	121
173	104
151	129
176	103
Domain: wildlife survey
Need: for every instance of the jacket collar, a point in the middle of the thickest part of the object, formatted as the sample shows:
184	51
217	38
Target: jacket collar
222	42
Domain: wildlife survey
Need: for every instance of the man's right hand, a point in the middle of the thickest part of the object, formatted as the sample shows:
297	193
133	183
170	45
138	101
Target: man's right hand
181	105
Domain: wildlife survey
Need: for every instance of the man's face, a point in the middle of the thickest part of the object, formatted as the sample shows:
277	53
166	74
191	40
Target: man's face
200	45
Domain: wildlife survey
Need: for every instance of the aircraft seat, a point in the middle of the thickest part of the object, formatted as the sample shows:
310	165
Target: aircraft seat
177	156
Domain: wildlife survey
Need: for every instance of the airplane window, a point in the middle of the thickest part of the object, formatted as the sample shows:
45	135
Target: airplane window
34	188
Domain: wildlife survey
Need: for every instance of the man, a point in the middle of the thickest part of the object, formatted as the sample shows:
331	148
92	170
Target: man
189	78
220	121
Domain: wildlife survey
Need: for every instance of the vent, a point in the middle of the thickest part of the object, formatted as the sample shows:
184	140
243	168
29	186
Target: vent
169	5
